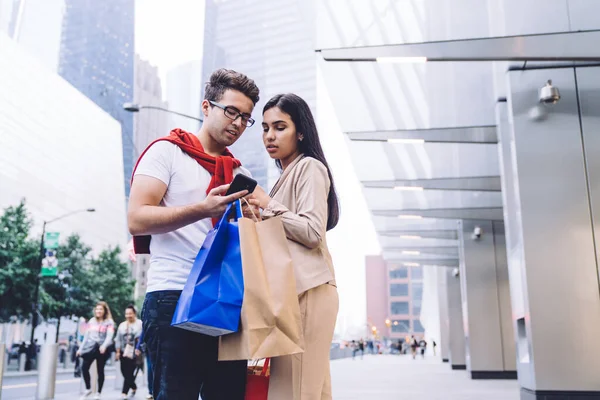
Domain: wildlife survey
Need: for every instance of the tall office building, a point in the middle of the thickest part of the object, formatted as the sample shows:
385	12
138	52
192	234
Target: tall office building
148	124
184	95
97	57
272	43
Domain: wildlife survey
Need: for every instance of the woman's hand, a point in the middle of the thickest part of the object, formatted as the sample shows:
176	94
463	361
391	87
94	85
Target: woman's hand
250	211
117	355
102	349
259	198
78	353
138	353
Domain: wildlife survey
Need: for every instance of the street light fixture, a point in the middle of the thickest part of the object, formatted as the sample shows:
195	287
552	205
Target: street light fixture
36	293
132	107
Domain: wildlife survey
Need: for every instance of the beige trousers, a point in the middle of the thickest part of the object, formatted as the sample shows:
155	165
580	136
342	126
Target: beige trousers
306	376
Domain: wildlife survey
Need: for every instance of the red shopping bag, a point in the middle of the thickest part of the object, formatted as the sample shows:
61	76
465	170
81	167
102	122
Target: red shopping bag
257	386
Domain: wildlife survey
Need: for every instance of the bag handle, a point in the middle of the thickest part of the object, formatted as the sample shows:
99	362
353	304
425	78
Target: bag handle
238	213
265	367
251	209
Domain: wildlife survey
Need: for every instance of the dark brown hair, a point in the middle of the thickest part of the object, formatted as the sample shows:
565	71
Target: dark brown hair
223	79
310	146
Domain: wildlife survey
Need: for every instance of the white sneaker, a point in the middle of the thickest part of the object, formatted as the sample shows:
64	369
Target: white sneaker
86	394
97	396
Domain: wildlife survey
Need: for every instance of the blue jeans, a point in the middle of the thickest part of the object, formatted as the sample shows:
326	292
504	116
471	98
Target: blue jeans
149	374
185	363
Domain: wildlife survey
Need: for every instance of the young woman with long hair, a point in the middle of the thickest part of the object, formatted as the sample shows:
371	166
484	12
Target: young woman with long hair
305	198
98	337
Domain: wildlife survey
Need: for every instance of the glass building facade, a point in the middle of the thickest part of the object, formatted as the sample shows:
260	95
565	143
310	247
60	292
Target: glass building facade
272	43
97	57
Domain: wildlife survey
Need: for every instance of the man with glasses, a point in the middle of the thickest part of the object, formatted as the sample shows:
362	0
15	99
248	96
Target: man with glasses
178	190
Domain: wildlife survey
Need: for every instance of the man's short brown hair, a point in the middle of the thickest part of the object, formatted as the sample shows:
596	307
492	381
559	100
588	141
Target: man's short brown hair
223	79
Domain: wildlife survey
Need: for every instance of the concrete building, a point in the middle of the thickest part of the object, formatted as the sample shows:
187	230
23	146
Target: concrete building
394	297
184	95
49	160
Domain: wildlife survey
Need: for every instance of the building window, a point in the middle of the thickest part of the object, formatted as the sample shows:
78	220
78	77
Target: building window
399	289
418	328
399	307
416	273
399	273
401	326
416	308
416	291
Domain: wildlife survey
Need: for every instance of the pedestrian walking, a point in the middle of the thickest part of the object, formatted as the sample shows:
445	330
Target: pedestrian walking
305	199
127	338
414	345
98	337
423	347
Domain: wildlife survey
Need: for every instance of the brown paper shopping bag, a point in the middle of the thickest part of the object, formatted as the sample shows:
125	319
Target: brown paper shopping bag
270	322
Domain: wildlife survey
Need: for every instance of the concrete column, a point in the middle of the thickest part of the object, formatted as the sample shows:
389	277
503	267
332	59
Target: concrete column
443	340
485	305
456	333
551	187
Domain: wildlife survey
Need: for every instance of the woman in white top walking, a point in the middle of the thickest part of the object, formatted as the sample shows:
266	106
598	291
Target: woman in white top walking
128	336
98	337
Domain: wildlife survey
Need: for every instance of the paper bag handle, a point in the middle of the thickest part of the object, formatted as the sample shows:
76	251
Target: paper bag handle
265	367
251	209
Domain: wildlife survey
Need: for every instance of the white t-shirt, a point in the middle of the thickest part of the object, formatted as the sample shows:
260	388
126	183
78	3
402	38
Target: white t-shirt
172	254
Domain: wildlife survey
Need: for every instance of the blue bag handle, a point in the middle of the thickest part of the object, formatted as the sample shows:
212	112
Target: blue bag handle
238	212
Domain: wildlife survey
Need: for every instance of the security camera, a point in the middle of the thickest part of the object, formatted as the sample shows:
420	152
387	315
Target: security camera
455	272
476	233
549	94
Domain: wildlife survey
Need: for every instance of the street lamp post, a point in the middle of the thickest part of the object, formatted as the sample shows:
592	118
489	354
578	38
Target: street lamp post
132	107
36	293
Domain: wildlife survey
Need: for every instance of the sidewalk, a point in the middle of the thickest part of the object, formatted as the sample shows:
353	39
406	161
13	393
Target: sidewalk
59	371
382	377
394	377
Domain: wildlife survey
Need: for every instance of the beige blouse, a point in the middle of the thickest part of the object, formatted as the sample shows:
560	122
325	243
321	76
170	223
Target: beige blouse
300	198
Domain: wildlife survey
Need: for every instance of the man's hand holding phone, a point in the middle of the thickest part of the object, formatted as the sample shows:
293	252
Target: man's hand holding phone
216	202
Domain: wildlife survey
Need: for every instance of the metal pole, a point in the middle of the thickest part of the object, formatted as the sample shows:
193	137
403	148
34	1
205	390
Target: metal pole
47	371
36	300
2	364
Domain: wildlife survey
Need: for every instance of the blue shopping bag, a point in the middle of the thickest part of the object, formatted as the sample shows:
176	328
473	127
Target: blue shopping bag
211	301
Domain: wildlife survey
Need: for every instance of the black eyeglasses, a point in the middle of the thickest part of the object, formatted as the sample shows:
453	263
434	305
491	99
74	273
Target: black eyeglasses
233	113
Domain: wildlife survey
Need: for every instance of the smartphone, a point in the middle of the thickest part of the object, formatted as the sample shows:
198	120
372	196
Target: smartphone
241	182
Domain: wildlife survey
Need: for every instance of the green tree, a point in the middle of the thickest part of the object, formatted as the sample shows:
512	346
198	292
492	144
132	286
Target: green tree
19	258
113	282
